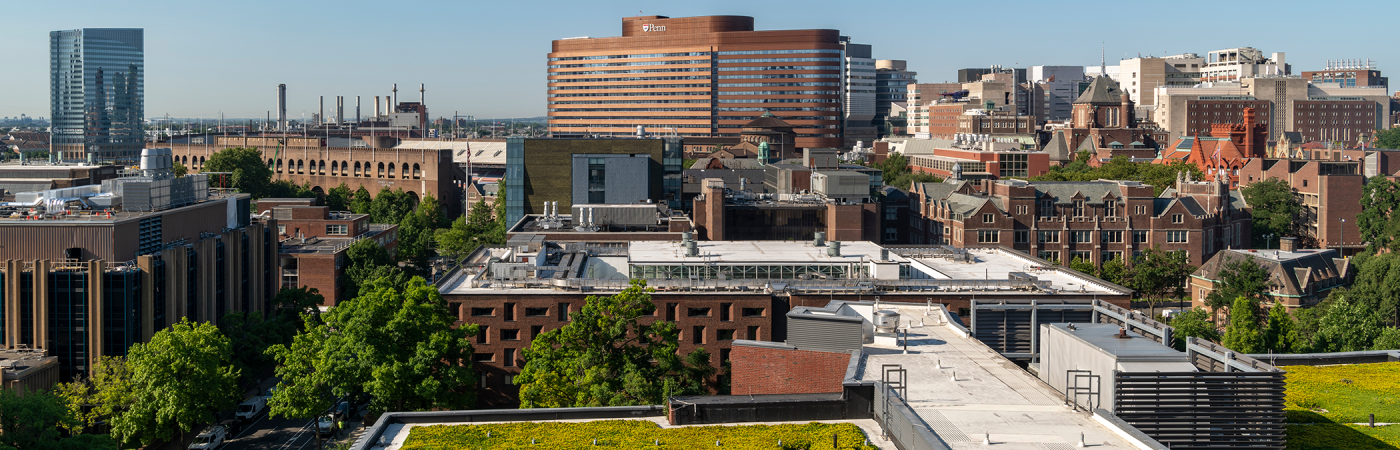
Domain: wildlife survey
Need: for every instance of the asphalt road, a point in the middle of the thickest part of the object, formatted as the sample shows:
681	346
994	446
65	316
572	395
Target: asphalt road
276	433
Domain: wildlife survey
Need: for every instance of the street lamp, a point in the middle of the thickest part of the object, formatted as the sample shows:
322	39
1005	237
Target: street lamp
1341	232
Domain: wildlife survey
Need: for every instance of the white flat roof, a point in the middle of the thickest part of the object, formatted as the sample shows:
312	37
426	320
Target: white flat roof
966	392
752	252
997	264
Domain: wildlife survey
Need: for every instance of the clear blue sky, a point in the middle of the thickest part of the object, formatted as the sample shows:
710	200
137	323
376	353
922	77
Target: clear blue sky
488	58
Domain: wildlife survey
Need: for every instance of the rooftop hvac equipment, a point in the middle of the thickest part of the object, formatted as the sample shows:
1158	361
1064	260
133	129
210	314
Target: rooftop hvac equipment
833	248
886	321
622	215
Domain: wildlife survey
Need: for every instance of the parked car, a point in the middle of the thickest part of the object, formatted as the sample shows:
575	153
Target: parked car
251	409
210	439
325	425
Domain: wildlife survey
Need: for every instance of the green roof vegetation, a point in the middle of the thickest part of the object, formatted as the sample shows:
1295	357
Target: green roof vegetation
1324	404
633	434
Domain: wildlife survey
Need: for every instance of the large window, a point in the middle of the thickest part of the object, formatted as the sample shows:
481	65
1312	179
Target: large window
1051	237
1049	255
1112	237
988	236
1176	237
1139	237
1015	165
1081	237
337	230
597	180
1021	236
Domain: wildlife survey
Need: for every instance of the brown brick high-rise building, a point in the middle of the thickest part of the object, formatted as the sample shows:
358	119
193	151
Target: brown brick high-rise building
697	77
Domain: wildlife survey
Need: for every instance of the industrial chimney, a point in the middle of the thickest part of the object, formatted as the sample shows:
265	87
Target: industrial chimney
321	106
421	97
281	107
377	115
339	109
357	109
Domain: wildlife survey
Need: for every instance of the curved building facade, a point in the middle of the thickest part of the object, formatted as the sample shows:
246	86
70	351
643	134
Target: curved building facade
697	77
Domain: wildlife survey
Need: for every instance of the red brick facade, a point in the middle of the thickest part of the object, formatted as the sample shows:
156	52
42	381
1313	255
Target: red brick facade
764	370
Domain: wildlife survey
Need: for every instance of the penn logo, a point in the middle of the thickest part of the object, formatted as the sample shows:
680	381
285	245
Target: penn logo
646	27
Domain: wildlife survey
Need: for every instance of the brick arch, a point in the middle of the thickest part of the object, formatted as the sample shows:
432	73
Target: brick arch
270	164
413	197
391	170
301	166
201	162
380	173
335	168
357	169
369	171
417	172
321	169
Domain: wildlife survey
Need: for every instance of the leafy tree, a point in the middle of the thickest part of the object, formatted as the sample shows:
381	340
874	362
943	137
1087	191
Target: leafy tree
1388	340
1158	275
361	201
1113	271
338	199
1279	335
296	301
366	257
1238	277
395	342
36	420
431	208
1375	286
288	189
179	169
1378	222
250	172
390	206
1274	208
1346	327
476	229
606	357
108	392
895	171
1193	323
1084	266
1243	334
1388	138
251	335
1160	176
415	239
179	380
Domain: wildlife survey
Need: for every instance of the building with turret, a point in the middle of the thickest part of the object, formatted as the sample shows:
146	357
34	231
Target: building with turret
1104	123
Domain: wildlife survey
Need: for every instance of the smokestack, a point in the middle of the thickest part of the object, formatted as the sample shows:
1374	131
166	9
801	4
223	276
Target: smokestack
339	109
281	107
396	97
421	96
376	107
357	109
321	106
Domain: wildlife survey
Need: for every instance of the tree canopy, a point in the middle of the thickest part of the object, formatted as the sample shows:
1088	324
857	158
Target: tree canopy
395	342
477	228
895	171
1160	176
36	420
367	261
1243	334
250	172
1388	138
1193	323
1238	277
338	198
1275	211
1157	275
1378	221
361	201
605	356
390	206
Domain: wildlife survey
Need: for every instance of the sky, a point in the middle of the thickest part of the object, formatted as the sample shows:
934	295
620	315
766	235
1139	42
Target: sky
487	59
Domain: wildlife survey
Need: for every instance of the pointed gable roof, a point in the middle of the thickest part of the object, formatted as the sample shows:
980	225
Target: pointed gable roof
767	120
1058	148
1198	153
1103	90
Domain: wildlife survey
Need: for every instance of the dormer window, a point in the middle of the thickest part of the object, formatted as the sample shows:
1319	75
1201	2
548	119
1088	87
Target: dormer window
1078	208
1110	209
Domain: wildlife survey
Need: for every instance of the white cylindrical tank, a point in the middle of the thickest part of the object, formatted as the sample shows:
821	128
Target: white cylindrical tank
886	321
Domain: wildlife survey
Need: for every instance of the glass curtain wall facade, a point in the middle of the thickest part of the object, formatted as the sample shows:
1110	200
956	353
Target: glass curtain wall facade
97	93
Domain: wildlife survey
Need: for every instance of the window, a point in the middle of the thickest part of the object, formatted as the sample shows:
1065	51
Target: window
563	312
483	381
483	312
1051	237
1108	256
597	180
535	331
1049	255
753	312
1110	209
1047	208
1176	237
671	311
986	218
536	312
509	360
753	333
282	230
508	312
724	335
725	311
1081	237
1082	256
988	236
510	380
1178	218
1078	208
1111	237
697	334
697	312
481	333
510	335
337	230
483	357
1140	209
1139	237
1021	236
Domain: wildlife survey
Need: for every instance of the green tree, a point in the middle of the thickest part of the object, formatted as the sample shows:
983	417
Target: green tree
36	420
1242	335
431	208
1193	323
1113	271
1160	176
1388	138
1158	275
250	172
1275	210
396	343
415	239
360	203
604	356
1378	222
179	380
338	199
477	228
1389	339
1280	333
1238	277
1346	327
97	398
390	206
366	258
1375	285
179	169
1083	265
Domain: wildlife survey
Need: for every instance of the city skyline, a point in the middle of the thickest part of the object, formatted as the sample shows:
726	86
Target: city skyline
477	60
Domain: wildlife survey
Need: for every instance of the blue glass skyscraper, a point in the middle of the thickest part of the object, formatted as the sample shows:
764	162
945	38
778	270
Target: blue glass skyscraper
97	95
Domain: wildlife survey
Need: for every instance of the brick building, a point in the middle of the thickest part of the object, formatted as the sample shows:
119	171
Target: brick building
1298	278
314	240
974	157
1104	123
379	164
780	368
1094	220
1329	191
1206	111
725	291
721	214
1227	148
